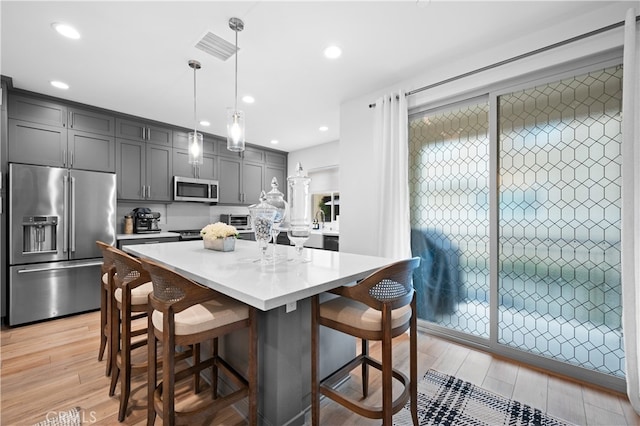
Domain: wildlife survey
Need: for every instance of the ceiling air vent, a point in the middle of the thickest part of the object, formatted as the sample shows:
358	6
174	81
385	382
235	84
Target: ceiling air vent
216	46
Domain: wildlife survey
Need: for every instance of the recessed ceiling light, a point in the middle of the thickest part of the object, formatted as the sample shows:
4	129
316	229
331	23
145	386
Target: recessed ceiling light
274	141
59	85
323	128
66	30
205	123
248	99
332	52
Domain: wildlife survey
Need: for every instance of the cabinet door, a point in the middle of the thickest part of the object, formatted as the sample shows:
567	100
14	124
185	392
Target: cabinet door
229	179
224	152
280	174
181	166
37	111
37	144
132	130
209	167
90	121
88	151
252	182
130	169
159	172
253	155
181	141
160	135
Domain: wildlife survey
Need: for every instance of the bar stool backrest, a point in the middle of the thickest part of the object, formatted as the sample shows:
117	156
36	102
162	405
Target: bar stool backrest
129	270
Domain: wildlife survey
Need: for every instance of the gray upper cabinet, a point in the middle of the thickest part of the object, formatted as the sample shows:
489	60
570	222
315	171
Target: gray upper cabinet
144	171
230	179
144	132
181	141
38	111
90	121
34	143
181	167
53	134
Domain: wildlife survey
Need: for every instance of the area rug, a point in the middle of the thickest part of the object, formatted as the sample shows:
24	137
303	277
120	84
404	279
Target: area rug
62	418
444	400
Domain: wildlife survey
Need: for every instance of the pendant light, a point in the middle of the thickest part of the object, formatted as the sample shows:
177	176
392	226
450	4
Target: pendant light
195	138
235	118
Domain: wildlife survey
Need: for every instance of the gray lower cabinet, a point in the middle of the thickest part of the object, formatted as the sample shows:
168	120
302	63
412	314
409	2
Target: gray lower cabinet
181	167
46	145
144	171
253	182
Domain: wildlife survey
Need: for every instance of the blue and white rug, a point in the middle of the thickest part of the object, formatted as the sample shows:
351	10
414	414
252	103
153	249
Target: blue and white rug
444	400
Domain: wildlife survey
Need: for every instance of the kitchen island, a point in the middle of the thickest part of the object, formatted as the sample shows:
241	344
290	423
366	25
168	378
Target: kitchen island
281	292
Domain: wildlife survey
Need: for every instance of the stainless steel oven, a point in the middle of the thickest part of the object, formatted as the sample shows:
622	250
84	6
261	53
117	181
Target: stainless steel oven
240	221
193	189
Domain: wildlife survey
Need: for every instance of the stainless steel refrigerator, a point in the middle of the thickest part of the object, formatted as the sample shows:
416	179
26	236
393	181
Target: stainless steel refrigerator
56	215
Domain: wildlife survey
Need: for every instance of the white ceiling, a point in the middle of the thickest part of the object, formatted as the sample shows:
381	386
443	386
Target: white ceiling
133	56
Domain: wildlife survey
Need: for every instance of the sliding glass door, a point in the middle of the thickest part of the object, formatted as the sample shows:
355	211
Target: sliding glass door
555	231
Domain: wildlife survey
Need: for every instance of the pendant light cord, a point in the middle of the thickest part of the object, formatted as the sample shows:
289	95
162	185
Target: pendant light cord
195	119
236	83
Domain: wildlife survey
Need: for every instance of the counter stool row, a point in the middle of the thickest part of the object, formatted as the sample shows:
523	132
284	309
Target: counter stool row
180	314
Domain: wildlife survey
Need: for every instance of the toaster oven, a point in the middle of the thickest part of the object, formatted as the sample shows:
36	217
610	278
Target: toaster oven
239	221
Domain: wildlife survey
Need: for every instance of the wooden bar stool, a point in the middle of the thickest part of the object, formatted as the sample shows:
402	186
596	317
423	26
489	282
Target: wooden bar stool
131	288
380	307
108	270
181	313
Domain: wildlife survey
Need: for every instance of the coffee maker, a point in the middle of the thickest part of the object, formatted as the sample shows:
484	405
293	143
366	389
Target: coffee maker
145	221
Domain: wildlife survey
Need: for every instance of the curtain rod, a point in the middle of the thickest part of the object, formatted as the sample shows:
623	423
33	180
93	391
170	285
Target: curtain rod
516	58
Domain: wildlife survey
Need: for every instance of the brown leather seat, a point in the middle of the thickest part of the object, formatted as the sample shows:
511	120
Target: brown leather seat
182	313
380	307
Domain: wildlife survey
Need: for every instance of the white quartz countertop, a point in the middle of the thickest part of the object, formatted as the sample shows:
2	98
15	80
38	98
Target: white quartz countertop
238	275
147	235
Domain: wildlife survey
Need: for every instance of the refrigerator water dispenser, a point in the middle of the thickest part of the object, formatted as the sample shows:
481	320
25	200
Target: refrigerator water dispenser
39	234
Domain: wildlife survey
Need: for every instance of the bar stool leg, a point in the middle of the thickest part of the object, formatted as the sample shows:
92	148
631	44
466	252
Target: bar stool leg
125	356
115	346
365	369
413	354
152	374
387	367
214	370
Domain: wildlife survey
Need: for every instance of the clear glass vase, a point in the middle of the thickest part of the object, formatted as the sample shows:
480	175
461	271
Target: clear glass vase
299	222
276	199
262	216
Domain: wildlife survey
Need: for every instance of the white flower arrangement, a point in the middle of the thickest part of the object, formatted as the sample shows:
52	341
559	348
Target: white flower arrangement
218	230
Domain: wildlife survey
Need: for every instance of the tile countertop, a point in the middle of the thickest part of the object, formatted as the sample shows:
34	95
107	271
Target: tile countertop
147	235
265	287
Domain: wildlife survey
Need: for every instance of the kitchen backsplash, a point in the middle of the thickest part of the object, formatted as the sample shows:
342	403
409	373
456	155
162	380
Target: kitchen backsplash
178	216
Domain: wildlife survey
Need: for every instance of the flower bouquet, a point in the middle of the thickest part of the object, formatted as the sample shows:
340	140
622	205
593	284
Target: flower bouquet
219	236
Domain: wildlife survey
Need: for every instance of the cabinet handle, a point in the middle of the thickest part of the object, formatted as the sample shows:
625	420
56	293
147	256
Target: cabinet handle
148	191
144	189
71	119
143	131
148	134
64	157
71	162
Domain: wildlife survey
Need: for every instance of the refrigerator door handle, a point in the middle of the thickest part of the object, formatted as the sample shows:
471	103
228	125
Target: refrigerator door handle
73	214
65	220
45	269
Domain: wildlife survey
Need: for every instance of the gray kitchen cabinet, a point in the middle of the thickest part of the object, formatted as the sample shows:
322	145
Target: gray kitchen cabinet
253	182
181	141
144	132
230	180
144	171
279	173
91	121
181	167
41	144
36	110
35	143
90	151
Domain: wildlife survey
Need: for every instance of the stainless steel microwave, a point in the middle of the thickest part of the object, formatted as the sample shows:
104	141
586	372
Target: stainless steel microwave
193	189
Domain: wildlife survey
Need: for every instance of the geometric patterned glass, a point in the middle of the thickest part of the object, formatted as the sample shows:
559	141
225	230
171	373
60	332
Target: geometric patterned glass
449	191
559	220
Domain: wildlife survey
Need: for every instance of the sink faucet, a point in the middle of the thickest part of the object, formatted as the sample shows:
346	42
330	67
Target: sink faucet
322	216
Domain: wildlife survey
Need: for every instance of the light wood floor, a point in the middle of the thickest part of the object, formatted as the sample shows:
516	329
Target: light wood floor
52	366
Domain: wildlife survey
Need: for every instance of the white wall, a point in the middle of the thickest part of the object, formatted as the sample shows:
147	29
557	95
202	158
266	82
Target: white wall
316	157
359	198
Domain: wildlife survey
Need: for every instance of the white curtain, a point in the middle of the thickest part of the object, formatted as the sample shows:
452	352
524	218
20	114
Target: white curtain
391	152
631	208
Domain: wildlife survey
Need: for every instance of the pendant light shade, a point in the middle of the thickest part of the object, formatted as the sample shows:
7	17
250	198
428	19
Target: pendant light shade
235	118
195	138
